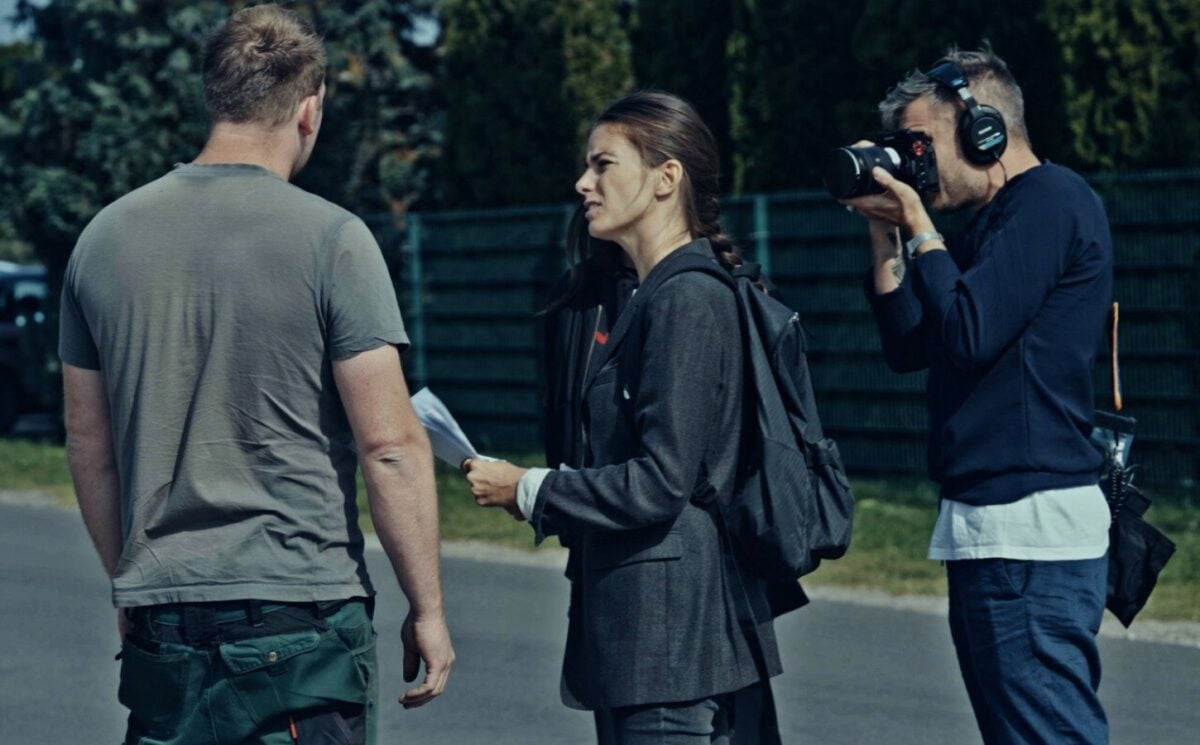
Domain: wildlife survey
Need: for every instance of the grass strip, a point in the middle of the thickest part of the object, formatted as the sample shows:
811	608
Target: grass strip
891	528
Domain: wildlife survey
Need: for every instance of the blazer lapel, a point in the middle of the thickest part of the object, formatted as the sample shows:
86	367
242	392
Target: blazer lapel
605	352
679	260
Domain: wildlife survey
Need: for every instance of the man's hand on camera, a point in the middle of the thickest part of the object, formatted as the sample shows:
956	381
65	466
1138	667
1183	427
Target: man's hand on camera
899	205
898	208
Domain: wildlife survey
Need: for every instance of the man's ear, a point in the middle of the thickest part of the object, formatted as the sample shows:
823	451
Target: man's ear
310	115
670	177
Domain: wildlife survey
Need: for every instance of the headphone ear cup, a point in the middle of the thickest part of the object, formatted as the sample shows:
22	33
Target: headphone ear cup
983	135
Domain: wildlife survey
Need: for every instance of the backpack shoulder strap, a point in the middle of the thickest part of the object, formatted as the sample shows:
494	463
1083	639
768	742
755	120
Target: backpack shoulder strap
688	262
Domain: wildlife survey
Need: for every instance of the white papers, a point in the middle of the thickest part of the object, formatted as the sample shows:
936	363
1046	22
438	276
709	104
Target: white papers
447	438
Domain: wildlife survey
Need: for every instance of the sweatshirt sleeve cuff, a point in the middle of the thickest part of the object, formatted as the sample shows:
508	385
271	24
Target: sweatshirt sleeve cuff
898	310
935	275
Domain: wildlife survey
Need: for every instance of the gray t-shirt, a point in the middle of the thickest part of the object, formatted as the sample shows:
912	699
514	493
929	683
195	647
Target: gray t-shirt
214	300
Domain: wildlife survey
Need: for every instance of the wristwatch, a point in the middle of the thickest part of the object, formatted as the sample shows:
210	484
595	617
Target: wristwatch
910	247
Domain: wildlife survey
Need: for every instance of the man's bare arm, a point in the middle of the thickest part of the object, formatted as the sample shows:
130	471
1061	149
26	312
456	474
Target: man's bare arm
397	466
93	465
92	461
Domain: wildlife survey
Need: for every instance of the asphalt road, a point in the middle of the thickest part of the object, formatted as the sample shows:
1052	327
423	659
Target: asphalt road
855	674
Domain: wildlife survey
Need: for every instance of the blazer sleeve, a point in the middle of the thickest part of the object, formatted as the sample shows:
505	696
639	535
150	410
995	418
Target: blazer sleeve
690	341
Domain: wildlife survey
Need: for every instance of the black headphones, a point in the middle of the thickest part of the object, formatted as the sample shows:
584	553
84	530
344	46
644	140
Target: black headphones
981	128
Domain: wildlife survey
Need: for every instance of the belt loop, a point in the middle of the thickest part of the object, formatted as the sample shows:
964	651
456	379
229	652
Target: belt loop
254	613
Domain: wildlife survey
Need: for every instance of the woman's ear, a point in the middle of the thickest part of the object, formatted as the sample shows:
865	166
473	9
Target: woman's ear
670	176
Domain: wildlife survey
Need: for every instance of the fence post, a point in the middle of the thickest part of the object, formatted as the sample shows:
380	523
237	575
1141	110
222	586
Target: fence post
762	234
415	321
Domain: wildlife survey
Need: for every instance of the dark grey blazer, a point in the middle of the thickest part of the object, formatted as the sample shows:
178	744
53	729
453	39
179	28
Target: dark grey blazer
657	614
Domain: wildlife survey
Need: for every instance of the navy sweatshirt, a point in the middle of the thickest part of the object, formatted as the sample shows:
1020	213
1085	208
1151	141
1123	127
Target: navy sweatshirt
1008	322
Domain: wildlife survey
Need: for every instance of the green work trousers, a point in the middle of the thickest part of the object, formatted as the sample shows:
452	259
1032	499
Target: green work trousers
250	673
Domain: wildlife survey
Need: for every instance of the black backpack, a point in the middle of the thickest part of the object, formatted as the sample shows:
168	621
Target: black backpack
793	506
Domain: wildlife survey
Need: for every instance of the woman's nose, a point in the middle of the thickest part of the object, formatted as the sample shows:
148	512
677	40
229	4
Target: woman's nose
585	182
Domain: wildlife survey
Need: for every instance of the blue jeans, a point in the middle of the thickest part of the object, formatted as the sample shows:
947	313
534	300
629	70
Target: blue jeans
1025	633
745	717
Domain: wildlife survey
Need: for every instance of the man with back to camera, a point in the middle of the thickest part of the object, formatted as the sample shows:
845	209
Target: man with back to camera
228	340
1007	322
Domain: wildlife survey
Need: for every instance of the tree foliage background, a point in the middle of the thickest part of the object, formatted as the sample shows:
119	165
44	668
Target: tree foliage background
476	103
109	97
681	46
522	78
1108	84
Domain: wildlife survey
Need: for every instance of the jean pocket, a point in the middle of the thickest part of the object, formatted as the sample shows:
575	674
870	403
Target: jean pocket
1014	574
154	687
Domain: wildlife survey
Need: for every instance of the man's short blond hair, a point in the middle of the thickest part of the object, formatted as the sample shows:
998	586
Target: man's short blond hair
260	64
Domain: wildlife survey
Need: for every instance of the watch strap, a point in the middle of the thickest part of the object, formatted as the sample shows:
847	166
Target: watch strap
910	247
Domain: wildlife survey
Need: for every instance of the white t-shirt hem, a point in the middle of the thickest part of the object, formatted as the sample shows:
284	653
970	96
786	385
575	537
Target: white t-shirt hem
1054	525
1019	553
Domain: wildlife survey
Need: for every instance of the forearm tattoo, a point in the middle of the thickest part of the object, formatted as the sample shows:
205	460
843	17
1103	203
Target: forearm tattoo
899	265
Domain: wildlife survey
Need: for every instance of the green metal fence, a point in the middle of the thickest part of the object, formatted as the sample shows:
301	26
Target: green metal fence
471	284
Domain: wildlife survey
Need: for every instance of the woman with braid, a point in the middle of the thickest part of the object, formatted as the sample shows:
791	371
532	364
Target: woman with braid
668	641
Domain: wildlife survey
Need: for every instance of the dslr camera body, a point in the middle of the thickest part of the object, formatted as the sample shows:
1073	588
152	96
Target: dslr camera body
905	154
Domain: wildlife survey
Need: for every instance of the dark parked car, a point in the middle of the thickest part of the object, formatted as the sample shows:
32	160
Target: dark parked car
24	357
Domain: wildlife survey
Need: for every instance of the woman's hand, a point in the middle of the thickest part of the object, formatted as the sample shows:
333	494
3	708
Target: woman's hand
494	483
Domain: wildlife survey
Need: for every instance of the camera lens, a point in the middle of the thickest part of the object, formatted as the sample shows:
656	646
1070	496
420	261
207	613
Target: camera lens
848	170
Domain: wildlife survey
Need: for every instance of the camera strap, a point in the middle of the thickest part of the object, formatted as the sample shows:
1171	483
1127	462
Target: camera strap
1115	363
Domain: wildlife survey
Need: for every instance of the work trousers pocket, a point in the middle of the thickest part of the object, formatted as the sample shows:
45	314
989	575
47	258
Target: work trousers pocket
287	674
154	686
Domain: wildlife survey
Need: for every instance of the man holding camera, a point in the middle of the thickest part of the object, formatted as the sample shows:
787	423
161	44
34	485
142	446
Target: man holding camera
1007	321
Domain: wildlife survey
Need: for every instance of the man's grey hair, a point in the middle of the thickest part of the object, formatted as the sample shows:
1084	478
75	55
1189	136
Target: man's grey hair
988	78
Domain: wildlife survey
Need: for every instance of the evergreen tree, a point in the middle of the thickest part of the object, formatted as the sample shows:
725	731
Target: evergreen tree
596	47
680	46
14	68
808	76
381	137
1176	130
117	102
522	80
1130	72
920	31
116	99
796	86
14	59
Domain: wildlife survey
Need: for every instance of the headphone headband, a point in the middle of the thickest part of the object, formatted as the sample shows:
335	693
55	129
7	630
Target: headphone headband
951	75
981	128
